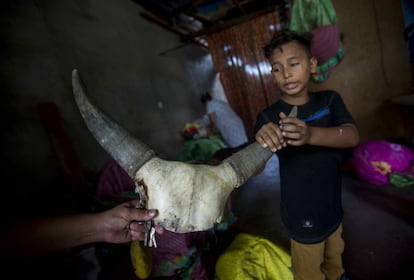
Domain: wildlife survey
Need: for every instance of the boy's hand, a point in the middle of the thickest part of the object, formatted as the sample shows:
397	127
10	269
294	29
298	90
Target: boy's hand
294	130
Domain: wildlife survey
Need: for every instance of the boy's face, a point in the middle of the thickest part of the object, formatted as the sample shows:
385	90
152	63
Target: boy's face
291	70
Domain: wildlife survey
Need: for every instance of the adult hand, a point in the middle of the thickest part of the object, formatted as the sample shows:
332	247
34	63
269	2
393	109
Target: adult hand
43	235
125	222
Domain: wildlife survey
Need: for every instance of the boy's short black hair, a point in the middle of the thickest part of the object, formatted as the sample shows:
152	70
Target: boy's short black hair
286	36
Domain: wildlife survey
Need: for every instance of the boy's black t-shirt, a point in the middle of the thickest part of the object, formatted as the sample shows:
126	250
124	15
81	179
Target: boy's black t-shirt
310	176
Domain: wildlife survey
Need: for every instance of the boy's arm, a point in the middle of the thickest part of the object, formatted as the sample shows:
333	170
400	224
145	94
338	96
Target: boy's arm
343	136
297	133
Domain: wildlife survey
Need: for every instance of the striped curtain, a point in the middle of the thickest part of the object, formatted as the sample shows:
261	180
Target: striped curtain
237	54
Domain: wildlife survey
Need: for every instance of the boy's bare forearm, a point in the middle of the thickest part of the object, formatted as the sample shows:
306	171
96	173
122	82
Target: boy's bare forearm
343	136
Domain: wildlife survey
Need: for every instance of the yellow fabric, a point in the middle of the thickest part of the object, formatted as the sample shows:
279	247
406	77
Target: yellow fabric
141	259
252	257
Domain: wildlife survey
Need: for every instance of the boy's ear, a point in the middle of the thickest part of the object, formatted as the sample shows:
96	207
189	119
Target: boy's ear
313	64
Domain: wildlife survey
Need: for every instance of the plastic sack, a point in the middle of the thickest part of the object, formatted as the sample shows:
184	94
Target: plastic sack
374	161
252	257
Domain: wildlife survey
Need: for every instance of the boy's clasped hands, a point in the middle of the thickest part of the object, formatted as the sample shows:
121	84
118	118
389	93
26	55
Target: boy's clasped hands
290	131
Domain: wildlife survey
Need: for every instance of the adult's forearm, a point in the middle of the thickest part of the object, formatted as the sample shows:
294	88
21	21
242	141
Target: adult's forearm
46	235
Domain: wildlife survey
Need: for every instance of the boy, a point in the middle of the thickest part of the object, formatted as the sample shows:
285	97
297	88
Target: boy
308	131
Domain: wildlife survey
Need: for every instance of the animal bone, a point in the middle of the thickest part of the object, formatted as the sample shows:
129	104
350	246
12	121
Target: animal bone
189	197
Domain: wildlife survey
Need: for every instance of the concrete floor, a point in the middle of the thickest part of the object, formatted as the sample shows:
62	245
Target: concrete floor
378	223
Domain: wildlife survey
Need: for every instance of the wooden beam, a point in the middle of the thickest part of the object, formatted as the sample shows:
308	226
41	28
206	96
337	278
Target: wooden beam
226	24
167	25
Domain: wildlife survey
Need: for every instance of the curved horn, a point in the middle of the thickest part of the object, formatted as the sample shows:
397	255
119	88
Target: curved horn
129	152
248	161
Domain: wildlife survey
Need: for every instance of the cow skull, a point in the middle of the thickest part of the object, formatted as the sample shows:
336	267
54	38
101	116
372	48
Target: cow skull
189	197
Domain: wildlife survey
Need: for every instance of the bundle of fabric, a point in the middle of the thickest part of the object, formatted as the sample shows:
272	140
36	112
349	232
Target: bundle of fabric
194	130
201	149
319	18
182	256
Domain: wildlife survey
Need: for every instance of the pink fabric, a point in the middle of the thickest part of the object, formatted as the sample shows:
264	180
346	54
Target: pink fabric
172	245
112	181
325	42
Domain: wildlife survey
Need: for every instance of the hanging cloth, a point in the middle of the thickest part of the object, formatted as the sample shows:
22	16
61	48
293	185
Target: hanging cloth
319	18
